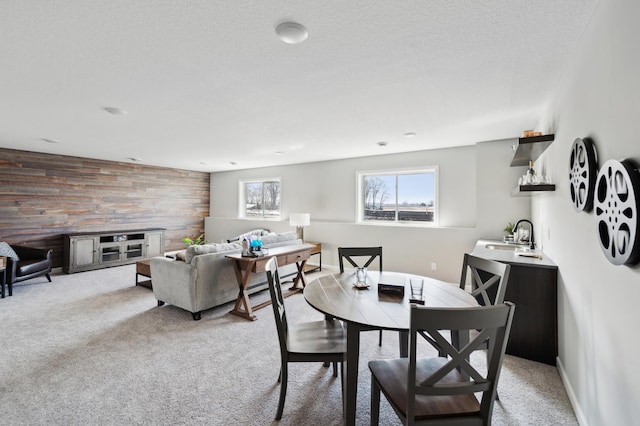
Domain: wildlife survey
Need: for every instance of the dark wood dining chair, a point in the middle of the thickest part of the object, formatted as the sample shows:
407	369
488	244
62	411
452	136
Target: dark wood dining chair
433	390
365	257
488	279
315	341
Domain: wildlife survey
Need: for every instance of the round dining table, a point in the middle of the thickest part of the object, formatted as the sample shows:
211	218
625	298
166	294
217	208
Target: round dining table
365	308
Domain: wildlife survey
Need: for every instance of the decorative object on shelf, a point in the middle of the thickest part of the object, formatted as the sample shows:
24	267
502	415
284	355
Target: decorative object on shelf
617	203
197	242
531	176
530	134
583	170
300	220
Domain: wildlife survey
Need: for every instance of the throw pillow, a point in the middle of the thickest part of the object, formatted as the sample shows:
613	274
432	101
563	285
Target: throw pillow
6	250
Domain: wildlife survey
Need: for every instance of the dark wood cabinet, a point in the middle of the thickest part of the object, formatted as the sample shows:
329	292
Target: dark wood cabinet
533	289
534	332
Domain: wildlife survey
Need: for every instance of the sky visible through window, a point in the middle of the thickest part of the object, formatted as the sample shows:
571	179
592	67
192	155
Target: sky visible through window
412	188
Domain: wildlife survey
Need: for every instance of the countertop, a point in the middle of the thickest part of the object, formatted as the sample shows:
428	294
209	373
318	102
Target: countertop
512	256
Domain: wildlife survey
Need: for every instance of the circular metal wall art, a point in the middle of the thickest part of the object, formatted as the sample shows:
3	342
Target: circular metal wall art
617	201
583	169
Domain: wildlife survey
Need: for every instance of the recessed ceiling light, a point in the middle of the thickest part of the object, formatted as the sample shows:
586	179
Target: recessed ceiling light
50	140
410	135
203	163
382	143
292	32
134	159
279	153
233	163
115	111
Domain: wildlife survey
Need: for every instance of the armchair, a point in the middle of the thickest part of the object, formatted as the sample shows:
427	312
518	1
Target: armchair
33	263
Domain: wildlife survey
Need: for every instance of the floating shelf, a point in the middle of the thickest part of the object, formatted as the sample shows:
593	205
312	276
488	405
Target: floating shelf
530	149
530	189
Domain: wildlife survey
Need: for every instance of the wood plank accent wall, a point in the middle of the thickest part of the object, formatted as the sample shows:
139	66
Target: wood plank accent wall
43	196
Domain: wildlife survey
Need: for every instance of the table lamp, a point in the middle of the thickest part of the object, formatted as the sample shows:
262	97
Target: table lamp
300	220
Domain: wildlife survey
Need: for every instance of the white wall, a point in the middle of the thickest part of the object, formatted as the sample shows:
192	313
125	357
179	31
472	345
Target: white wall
475	202
599	97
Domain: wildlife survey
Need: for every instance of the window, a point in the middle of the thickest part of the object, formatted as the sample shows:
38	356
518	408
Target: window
398	197
260	199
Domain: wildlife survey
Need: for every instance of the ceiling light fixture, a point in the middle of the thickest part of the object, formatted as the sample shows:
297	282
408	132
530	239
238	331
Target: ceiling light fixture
382	143
134	159
292	32
115	111
279	153
50	140
410	135
233	163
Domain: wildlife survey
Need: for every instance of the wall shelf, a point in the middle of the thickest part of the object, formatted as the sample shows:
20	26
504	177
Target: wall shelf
530	149
532	189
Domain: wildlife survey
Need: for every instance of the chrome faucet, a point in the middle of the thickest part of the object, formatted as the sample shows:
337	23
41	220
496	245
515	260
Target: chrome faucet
532	241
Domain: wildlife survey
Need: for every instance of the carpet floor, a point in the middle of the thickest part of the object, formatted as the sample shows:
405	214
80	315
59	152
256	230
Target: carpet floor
92	348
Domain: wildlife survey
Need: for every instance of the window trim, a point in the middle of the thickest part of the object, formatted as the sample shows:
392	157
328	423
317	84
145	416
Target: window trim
242	212
395	172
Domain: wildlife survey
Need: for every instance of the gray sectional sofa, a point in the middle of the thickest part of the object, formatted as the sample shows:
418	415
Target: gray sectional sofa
205	278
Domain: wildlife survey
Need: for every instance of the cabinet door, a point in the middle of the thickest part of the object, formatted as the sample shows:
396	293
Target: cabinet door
154	244
84	252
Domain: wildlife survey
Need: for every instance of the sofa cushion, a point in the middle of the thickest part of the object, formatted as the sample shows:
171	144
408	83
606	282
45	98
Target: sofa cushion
196	250
254	232
7	251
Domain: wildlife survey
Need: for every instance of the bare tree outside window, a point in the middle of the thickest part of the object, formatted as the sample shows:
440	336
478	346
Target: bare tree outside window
399	197
262	199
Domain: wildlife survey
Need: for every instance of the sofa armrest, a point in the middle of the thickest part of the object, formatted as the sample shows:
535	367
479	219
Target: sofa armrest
174	282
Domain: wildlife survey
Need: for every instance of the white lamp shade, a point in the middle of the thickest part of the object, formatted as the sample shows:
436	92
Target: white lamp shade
300	219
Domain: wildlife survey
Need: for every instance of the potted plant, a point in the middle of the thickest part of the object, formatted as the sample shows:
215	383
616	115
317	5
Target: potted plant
197	242
509	231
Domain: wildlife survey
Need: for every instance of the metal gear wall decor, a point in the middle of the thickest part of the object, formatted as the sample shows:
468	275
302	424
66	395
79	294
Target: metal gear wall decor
583	170
617	202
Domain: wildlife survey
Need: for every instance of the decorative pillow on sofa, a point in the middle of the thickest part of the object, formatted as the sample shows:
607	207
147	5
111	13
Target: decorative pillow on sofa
257	232
6	250
209	248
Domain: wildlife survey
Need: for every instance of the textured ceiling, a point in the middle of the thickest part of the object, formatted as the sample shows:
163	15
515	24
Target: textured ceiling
208	81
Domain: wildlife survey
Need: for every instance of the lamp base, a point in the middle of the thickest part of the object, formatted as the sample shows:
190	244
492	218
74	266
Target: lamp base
300	232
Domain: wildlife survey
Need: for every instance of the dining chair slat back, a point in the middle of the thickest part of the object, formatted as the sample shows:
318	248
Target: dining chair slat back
368	253
445	393
489	279
366	256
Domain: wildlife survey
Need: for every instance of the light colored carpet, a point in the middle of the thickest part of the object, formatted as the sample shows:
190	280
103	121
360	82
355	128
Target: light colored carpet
91	348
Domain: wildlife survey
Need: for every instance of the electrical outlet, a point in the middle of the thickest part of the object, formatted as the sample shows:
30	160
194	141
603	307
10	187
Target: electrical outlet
434	266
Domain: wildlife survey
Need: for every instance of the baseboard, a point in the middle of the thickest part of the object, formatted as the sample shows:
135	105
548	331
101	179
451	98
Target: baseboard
582	420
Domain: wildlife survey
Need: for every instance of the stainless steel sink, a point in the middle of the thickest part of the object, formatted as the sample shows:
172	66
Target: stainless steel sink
509	247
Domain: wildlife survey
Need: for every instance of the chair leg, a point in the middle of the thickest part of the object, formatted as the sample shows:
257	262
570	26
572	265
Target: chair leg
196	315
283	390
335	369
375	402
10	285
380	339
48	277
